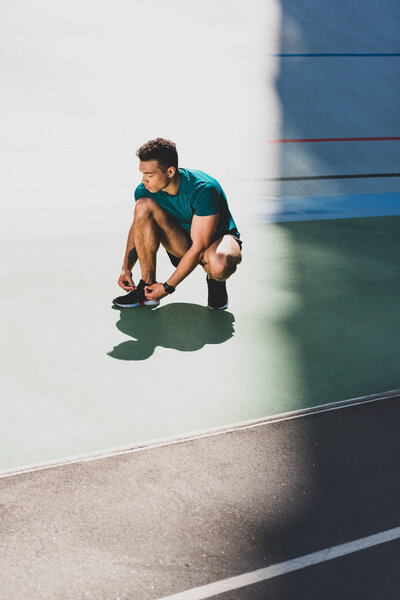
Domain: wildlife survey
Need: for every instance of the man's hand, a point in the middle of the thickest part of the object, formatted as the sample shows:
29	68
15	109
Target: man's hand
155	291
125	280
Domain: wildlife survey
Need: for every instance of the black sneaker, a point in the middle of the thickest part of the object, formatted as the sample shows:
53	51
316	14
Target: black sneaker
217	294
135	298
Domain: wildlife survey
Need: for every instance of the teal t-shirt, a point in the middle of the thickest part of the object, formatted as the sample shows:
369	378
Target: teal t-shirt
198	194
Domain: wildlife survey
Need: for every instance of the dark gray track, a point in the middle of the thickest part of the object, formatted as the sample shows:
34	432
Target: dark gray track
151	523
371	574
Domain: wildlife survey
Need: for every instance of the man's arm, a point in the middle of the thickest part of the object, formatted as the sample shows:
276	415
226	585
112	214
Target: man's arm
202	233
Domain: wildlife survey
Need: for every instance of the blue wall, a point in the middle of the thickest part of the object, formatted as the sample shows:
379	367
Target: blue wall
339	77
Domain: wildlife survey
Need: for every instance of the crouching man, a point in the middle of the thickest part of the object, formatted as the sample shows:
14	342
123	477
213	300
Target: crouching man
186	211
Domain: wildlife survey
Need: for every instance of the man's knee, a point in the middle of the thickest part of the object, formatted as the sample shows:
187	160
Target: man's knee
223	266
144	207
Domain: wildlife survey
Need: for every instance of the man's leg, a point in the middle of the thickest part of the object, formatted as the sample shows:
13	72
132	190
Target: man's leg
153	225
222	257
220	261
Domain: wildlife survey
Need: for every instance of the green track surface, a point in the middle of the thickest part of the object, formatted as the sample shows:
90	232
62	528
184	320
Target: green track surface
313	318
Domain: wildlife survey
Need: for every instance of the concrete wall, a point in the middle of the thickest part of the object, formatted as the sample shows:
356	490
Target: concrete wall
339	78
85	83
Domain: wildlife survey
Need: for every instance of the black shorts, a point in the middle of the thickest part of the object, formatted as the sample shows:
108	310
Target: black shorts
233	232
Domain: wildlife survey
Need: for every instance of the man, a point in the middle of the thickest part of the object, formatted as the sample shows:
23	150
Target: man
187	212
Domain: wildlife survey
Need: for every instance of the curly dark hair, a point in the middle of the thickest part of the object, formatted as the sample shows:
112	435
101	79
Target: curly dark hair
164	151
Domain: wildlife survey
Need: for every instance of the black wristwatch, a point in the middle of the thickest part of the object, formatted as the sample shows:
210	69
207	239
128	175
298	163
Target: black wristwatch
168	288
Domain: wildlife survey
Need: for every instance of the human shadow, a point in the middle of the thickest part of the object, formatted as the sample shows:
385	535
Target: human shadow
180	326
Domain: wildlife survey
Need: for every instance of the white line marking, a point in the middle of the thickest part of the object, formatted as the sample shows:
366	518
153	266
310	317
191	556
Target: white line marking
234	583
197	435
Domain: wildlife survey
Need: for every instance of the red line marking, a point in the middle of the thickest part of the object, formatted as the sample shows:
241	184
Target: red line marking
355	139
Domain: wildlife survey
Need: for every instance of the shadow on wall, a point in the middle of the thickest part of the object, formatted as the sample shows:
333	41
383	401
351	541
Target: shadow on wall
344	275
180	326
343	271
336	80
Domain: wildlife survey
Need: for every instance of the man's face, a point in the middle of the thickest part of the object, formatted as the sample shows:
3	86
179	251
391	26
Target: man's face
153	178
